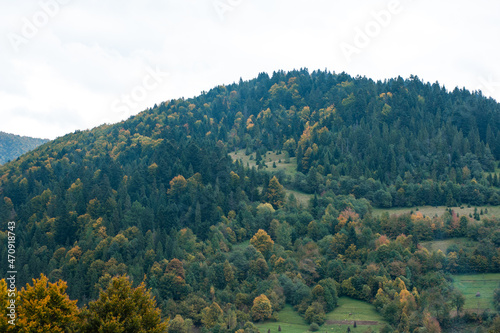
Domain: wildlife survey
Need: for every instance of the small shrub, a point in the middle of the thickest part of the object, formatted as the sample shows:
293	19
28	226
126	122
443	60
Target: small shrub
314	327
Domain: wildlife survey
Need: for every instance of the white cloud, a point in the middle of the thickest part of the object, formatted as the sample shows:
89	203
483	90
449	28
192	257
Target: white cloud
91	53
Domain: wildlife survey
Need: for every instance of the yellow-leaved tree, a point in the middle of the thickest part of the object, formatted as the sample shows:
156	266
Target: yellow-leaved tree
122	308
45	307
262	308
7	310
262	242
212	315
275	193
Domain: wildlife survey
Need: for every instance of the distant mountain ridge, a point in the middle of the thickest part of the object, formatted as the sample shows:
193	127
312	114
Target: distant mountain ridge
12	146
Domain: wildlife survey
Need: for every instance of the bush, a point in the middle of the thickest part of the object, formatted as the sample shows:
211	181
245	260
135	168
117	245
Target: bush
314	327
315	314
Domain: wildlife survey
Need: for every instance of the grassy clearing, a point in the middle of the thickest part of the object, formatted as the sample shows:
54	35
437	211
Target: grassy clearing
288	168
443	245
359	311
471	284
431	211
302	198
497	171
270	158
291	322
241	246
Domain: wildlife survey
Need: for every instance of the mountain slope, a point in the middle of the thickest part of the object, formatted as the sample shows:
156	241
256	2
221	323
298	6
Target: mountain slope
128	198
12	146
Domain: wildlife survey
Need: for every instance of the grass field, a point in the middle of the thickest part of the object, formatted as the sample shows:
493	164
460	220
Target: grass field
289	320
432	211
361	312
337	321
443	245
270	157
302	198
241	246
471	284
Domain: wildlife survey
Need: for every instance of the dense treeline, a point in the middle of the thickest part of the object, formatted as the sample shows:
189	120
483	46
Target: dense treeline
158	198
12	146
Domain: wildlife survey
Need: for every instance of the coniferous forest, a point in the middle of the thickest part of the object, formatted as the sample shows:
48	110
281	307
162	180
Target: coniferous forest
152	225
13	146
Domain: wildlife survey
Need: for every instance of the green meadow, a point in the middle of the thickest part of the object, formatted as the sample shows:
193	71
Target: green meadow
289	167
432	211
337	321
471	284
443	245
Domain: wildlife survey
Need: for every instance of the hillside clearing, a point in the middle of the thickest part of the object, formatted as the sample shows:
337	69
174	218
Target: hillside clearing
337	321
443	245
471	284
431	211
289	167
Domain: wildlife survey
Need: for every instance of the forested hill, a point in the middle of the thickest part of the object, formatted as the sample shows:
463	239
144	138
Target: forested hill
13	146
128	198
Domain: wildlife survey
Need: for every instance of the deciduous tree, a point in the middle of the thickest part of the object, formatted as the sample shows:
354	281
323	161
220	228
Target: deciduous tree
275	193
262	308
45	307
122	308
262	242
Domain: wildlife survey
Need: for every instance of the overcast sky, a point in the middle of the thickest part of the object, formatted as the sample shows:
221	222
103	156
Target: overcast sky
75	64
